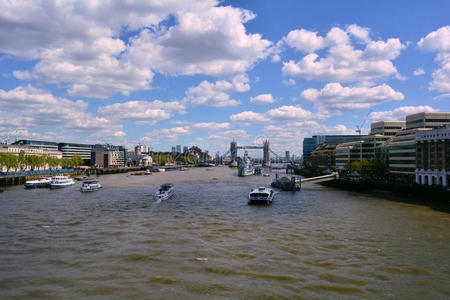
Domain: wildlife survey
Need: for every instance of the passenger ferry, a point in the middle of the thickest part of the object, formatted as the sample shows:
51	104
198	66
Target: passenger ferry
91	185
165	192
61	181
42	182
261	195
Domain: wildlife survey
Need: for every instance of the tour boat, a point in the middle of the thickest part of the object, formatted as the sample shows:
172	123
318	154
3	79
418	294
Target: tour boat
165	192
91	185
42	182
261	195
61	181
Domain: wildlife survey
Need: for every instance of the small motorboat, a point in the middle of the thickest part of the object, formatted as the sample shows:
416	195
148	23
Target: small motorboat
165	192
266	175
81	178
261	195
91	185
146	172
161	170
41	182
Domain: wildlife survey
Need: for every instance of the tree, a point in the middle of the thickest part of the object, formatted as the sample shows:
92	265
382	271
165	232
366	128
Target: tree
76	160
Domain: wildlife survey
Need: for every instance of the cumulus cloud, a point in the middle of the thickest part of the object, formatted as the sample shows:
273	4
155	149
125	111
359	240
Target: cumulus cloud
439	41
398	114
172	134
263	99
418	72
141	112
36	108
282	113
290	135
247	117
343	62
334	98
217	94
76	43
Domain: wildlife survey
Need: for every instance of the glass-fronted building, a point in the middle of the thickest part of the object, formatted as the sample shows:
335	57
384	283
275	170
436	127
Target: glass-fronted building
70	149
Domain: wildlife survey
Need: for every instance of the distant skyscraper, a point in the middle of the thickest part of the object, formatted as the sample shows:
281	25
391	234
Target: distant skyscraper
179	148
185	148
287	156
173	149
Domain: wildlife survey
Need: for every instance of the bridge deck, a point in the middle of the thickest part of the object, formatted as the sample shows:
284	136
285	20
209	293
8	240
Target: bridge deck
323	177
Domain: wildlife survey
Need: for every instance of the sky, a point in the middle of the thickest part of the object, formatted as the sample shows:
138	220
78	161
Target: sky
203	73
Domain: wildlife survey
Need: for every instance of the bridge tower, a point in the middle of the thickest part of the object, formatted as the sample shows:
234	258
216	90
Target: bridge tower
233	151
266	151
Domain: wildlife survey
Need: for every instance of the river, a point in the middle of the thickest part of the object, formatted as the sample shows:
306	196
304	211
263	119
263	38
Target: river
207	243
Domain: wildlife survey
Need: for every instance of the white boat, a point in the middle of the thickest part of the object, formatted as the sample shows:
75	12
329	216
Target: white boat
61	181
90	186
41	182
165	192
161	170
261	195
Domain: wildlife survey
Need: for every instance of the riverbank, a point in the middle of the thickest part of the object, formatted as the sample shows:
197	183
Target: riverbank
436	198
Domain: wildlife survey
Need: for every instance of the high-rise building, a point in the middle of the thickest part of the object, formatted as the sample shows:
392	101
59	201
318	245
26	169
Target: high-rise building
185	148
309	144
287	157
139	149
173	149
178	148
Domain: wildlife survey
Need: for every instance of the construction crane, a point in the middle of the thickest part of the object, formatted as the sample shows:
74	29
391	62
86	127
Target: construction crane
358	127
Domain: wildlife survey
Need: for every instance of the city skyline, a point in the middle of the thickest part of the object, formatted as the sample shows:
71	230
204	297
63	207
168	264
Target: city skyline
205	72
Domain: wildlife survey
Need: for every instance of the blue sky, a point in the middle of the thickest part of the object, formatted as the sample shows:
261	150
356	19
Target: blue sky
201	73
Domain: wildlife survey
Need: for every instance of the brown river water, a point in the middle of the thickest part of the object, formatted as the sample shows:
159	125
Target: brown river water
207	243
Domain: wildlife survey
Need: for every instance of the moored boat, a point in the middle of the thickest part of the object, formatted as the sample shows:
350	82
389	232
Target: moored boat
146	172
41	182
165	192
61	181
91	185
245	167
261	195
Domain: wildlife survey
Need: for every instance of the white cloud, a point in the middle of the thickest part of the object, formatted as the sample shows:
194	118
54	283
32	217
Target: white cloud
343	63
288	112
31	108
418	72
398	114
334	98
76	44
439	41
217	94
172	134
247	117
212	41
283	113
304	40
263	99
141	112
289	82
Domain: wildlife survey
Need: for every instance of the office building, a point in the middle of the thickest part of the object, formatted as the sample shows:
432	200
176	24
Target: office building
427	120
185	148
310	144
178	148
108	156
174	149
70	149
287	156
49	147
324	156
402	148
387	128
433	156
140	149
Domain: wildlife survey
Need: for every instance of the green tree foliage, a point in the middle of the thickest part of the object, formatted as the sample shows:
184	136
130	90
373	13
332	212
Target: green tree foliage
369	168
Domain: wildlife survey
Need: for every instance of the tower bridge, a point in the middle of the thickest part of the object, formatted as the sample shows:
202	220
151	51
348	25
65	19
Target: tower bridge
265	147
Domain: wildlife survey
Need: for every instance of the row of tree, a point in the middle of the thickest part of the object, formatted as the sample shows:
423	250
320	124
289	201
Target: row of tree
22	162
